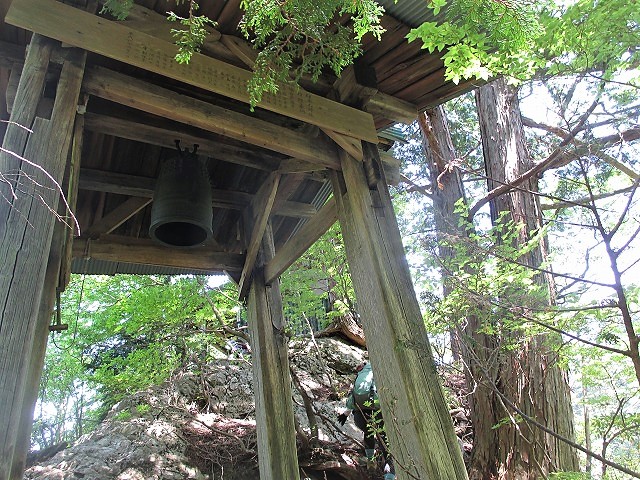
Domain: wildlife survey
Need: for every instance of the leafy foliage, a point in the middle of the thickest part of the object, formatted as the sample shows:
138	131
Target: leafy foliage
318	286
126	334
302	37
592	36
190	40
118	8
484	38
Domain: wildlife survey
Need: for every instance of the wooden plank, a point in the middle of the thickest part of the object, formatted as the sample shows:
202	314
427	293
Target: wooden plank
391	167
150	98
114	248
241	49
165	136
72	197
391	108
300	243
27	222
117	216
259	211
29	92
152	23
137	186
271	380
351	145
12	85
446	92
76	27
410	393
36	360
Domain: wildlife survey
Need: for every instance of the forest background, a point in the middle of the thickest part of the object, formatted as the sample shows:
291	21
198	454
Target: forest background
548	280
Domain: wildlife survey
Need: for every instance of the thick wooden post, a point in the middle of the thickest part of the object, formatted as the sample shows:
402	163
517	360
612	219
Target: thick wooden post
417	421
33	163
271	381
41	334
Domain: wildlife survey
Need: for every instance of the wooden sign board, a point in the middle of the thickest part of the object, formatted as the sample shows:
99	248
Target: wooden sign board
111	39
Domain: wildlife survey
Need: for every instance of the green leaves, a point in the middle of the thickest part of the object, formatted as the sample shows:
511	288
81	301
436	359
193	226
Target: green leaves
482	38
301	37
189	40
590	36
126	333
118	8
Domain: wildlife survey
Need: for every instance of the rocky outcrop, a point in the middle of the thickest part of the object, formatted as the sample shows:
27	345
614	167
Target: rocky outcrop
200	424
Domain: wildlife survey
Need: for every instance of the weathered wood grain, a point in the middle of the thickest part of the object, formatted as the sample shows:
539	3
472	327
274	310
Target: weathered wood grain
150	98
26	228
391	108
259	212
271	379
72	198
78	28
416	416
115	248
36	360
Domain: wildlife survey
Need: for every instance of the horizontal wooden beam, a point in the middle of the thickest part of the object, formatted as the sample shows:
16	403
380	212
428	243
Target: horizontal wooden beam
115	248
137	186
113	40
150	98
301	241
165	136
391	108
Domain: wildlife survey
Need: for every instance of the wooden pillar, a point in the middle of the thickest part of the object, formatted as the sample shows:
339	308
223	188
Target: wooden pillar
271	381
41	334
417	420
33	164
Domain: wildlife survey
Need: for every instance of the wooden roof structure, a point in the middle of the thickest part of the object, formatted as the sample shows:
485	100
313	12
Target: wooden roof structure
139	101
106	101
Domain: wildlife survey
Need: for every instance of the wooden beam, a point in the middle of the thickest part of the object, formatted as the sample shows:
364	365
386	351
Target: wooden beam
27	222
150	98
410	393
300	243
155	24
351	145
72	182
78	28
241	49
391	108
165	135
391	167
115	248
39	347
117	216
275	425
136	186
259	211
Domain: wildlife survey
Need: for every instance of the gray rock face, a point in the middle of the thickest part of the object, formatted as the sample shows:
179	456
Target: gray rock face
200	424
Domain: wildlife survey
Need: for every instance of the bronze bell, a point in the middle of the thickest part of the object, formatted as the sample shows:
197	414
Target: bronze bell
182	213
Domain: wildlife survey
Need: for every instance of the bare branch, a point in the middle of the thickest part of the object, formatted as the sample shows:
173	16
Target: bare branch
53	180
540	167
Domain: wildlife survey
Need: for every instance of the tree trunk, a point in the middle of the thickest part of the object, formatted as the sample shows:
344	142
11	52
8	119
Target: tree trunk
530	376
474	347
